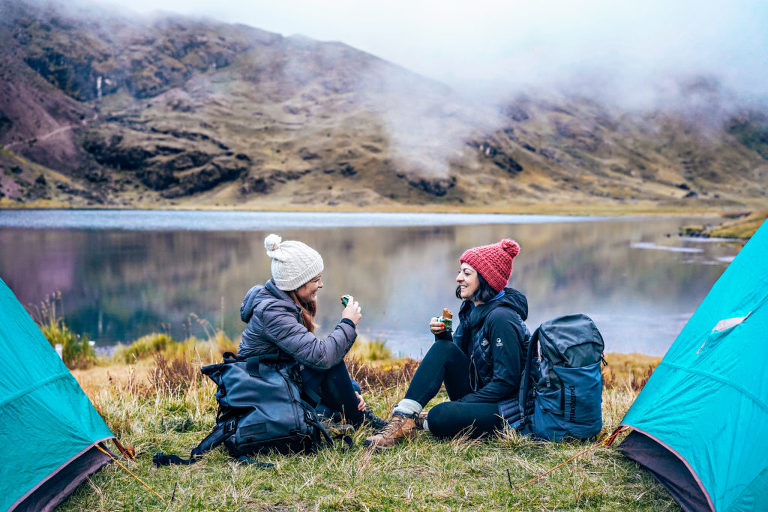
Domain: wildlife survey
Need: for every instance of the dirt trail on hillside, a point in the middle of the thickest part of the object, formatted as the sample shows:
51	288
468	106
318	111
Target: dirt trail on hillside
39	138
46	136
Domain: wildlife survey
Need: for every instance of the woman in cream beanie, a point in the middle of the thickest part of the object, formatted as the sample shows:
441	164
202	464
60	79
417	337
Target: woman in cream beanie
281	315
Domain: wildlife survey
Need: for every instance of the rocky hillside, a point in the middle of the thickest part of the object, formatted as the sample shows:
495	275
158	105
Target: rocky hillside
98	110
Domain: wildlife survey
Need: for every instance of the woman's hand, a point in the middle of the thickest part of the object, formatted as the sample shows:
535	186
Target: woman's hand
352	311
436	326
361	404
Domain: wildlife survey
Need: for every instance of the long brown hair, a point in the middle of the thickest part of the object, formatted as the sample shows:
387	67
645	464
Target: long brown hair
308	311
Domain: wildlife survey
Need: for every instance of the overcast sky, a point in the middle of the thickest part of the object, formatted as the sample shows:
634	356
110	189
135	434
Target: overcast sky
613	47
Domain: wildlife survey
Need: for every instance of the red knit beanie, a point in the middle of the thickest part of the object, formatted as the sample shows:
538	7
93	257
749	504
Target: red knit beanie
493	262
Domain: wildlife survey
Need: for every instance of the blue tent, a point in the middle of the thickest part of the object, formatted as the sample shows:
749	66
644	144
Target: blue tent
49	430
700	424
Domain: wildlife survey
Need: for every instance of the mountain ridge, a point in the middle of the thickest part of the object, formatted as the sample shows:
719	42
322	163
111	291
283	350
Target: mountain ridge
183	112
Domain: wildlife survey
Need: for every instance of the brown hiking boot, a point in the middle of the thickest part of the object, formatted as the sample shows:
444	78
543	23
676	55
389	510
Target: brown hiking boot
399	427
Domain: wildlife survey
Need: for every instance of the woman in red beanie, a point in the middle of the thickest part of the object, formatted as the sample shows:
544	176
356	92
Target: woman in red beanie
480	363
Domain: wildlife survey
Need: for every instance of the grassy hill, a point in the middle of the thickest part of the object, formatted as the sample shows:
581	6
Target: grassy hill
98	110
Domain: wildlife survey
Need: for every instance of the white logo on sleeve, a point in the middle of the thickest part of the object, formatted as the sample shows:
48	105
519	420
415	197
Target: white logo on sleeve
498	342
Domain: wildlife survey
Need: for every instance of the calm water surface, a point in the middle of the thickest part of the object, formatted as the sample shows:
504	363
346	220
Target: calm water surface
123	274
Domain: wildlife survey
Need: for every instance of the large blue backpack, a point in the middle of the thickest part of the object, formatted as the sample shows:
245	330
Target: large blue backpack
565	379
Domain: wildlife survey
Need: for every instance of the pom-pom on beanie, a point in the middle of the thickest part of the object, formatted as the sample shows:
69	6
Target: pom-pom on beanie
493	262
294	263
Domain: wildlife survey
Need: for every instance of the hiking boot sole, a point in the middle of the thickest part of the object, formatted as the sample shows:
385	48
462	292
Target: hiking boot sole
376	447
371	444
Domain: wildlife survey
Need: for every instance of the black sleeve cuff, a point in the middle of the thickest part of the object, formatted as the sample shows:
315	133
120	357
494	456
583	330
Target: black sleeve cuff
348	321
444	335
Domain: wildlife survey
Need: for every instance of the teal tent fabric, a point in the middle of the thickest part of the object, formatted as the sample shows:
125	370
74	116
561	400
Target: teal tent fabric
46	420
707	402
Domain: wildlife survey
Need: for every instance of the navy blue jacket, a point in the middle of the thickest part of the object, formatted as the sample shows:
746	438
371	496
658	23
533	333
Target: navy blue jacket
494	337
274	321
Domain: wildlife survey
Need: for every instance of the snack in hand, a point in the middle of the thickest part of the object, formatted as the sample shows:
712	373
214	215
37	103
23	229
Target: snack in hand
447	319
345	300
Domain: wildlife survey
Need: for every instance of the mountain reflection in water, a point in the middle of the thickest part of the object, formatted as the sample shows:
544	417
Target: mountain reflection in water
120	284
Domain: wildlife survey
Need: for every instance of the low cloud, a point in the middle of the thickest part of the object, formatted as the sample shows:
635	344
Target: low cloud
621	51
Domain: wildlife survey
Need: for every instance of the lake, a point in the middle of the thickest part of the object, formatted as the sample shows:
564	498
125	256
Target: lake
123	274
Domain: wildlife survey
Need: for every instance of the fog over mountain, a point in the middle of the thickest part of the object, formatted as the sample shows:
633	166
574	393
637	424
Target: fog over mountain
632	52
483	106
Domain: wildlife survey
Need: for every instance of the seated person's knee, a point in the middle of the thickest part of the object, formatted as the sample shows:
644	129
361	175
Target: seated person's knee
437	420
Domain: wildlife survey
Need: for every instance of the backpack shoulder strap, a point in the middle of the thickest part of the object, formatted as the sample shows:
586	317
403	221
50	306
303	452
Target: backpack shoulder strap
525	381
218	435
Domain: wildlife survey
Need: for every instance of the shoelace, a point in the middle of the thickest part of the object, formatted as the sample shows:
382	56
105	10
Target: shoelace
393	425
374	420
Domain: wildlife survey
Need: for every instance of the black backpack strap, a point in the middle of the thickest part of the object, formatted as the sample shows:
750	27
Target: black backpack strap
311	394
252	366
162	459
525	382
321	435
252	363
218	435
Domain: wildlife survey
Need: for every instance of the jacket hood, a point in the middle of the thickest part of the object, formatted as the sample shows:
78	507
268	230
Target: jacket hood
249	302
515	299
512	299
259	293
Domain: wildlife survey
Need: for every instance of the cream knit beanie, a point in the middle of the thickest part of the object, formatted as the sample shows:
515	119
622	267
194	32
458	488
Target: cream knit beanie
293	263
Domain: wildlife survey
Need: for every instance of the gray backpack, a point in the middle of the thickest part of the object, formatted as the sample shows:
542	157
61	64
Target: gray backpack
566	379
260	410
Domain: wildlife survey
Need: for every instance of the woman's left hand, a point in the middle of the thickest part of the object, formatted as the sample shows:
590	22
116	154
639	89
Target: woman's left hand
436	326
361	405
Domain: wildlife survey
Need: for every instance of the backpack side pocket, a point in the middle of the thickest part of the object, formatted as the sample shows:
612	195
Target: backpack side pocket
573	408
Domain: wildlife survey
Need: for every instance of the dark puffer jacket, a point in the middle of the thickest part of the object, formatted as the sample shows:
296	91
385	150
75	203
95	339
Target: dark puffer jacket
274	321
494	337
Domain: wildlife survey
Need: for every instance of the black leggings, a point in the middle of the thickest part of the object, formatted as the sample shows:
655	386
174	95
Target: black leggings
446	363
335	389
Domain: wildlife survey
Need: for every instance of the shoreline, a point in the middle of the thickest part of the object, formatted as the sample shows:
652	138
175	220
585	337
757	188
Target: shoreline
739	223
207	220
735	225
564	209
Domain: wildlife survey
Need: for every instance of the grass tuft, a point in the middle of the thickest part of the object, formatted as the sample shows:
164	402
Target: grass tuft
76	350
172	377
143	347
374	350
192	348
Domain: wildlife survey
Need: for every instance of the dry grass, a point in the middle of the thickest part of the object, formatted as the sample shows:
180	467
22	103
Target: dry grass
740	225
375	376
161	403
424	474
628	372
743	227
369	350
172	376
